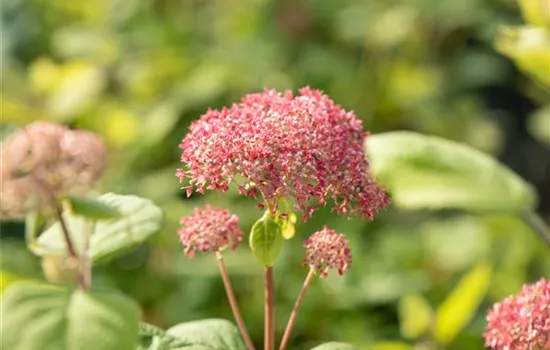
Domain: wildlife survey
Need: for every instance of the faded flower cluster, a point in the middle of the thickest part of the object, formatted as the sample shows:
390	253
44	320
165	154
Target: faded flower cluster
521	322
45	160
209	229
326	250
277	146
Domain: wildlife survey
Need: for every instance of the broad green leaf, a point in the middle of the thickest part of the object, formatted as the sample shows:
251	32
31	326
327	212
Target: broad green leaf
266	240
461	304
33	222
216	334
139	219
430	172
44	317
415	316
93	208
390	345
336	346
6	279
154	338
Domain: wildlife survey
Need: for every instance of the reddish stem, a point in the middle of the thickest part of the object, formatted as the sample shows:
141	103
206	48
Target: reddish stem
233	302
294	313
269	322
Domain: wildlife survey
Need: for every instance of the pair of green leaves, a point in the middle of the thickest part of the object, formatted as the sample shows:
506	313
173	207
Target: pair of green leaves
112	224
212	334
268	234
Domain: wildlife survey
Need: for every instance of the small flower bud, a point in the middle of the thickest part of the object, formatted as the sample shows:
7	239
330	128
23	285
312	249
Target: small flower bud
209	229
326	250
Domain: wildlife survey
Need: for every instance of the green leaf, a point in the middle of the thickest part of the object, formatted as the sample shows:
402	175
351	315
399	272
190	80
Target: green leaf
266	240
139	219
390	345
216	334
415	316
45	317
336	346
93	208
430	172
461	304
154	338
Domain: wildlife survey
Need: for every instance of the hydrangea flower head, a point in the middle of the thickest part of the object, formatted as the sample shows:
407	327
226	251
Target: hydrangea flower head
209	229
46	159
326	250
521	322
280	146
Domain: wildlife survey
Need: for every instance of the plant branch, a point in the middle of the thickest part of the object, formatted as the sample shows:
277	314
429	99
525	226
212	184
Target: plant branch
269	329
294	313
233	302
537	224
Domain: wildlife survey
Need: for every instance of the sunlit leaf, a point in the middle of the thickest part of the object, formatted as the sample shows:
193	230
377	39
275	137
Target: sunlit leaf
390	345
139	219
336	346
208	334
430	172
460	306
92	208
44	317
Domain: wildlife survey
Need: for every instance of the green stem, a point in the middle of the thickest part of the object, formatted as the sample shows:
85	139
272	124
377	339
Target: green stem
269	322
294	313
537	224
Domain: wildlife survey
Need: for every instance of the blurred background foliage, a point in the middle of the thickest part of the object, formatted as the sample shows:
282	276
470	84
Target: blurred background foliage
139	72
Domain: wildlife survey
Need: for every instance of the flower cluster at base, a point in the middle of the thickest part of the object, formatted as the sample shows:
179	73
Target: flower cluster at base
521	322
326	250
209	229
46	159
280	146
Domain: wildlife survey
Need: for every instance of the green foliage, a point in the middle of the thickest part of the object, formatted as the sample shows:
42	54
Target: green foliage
415	316
92	208
461	304
266	240
430	172
139	219
336	346
45	317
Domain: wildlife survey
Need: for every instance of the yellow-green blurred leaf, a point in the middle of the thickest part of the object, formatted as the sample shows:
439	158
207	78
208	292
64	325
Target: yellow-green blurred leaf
7	278
529	47
415	316
539	125
461	304
390	345
536	12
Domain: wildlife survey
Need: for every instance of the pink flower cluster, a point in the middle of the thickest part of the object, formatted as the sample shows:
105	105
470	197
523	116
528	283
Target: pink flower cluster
209	229
521	322
326	250
46	159
280	146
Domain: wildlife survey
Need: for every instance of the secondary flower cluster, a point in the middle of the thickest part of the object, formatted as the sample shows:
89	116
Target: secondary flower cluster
213	229
209	229
326	250
521	322
45	159
277	146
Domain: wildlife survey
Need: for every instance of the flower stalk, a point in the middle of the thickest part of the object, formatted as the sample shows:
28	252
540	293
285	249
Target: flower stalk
269	322
294	313
233	302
